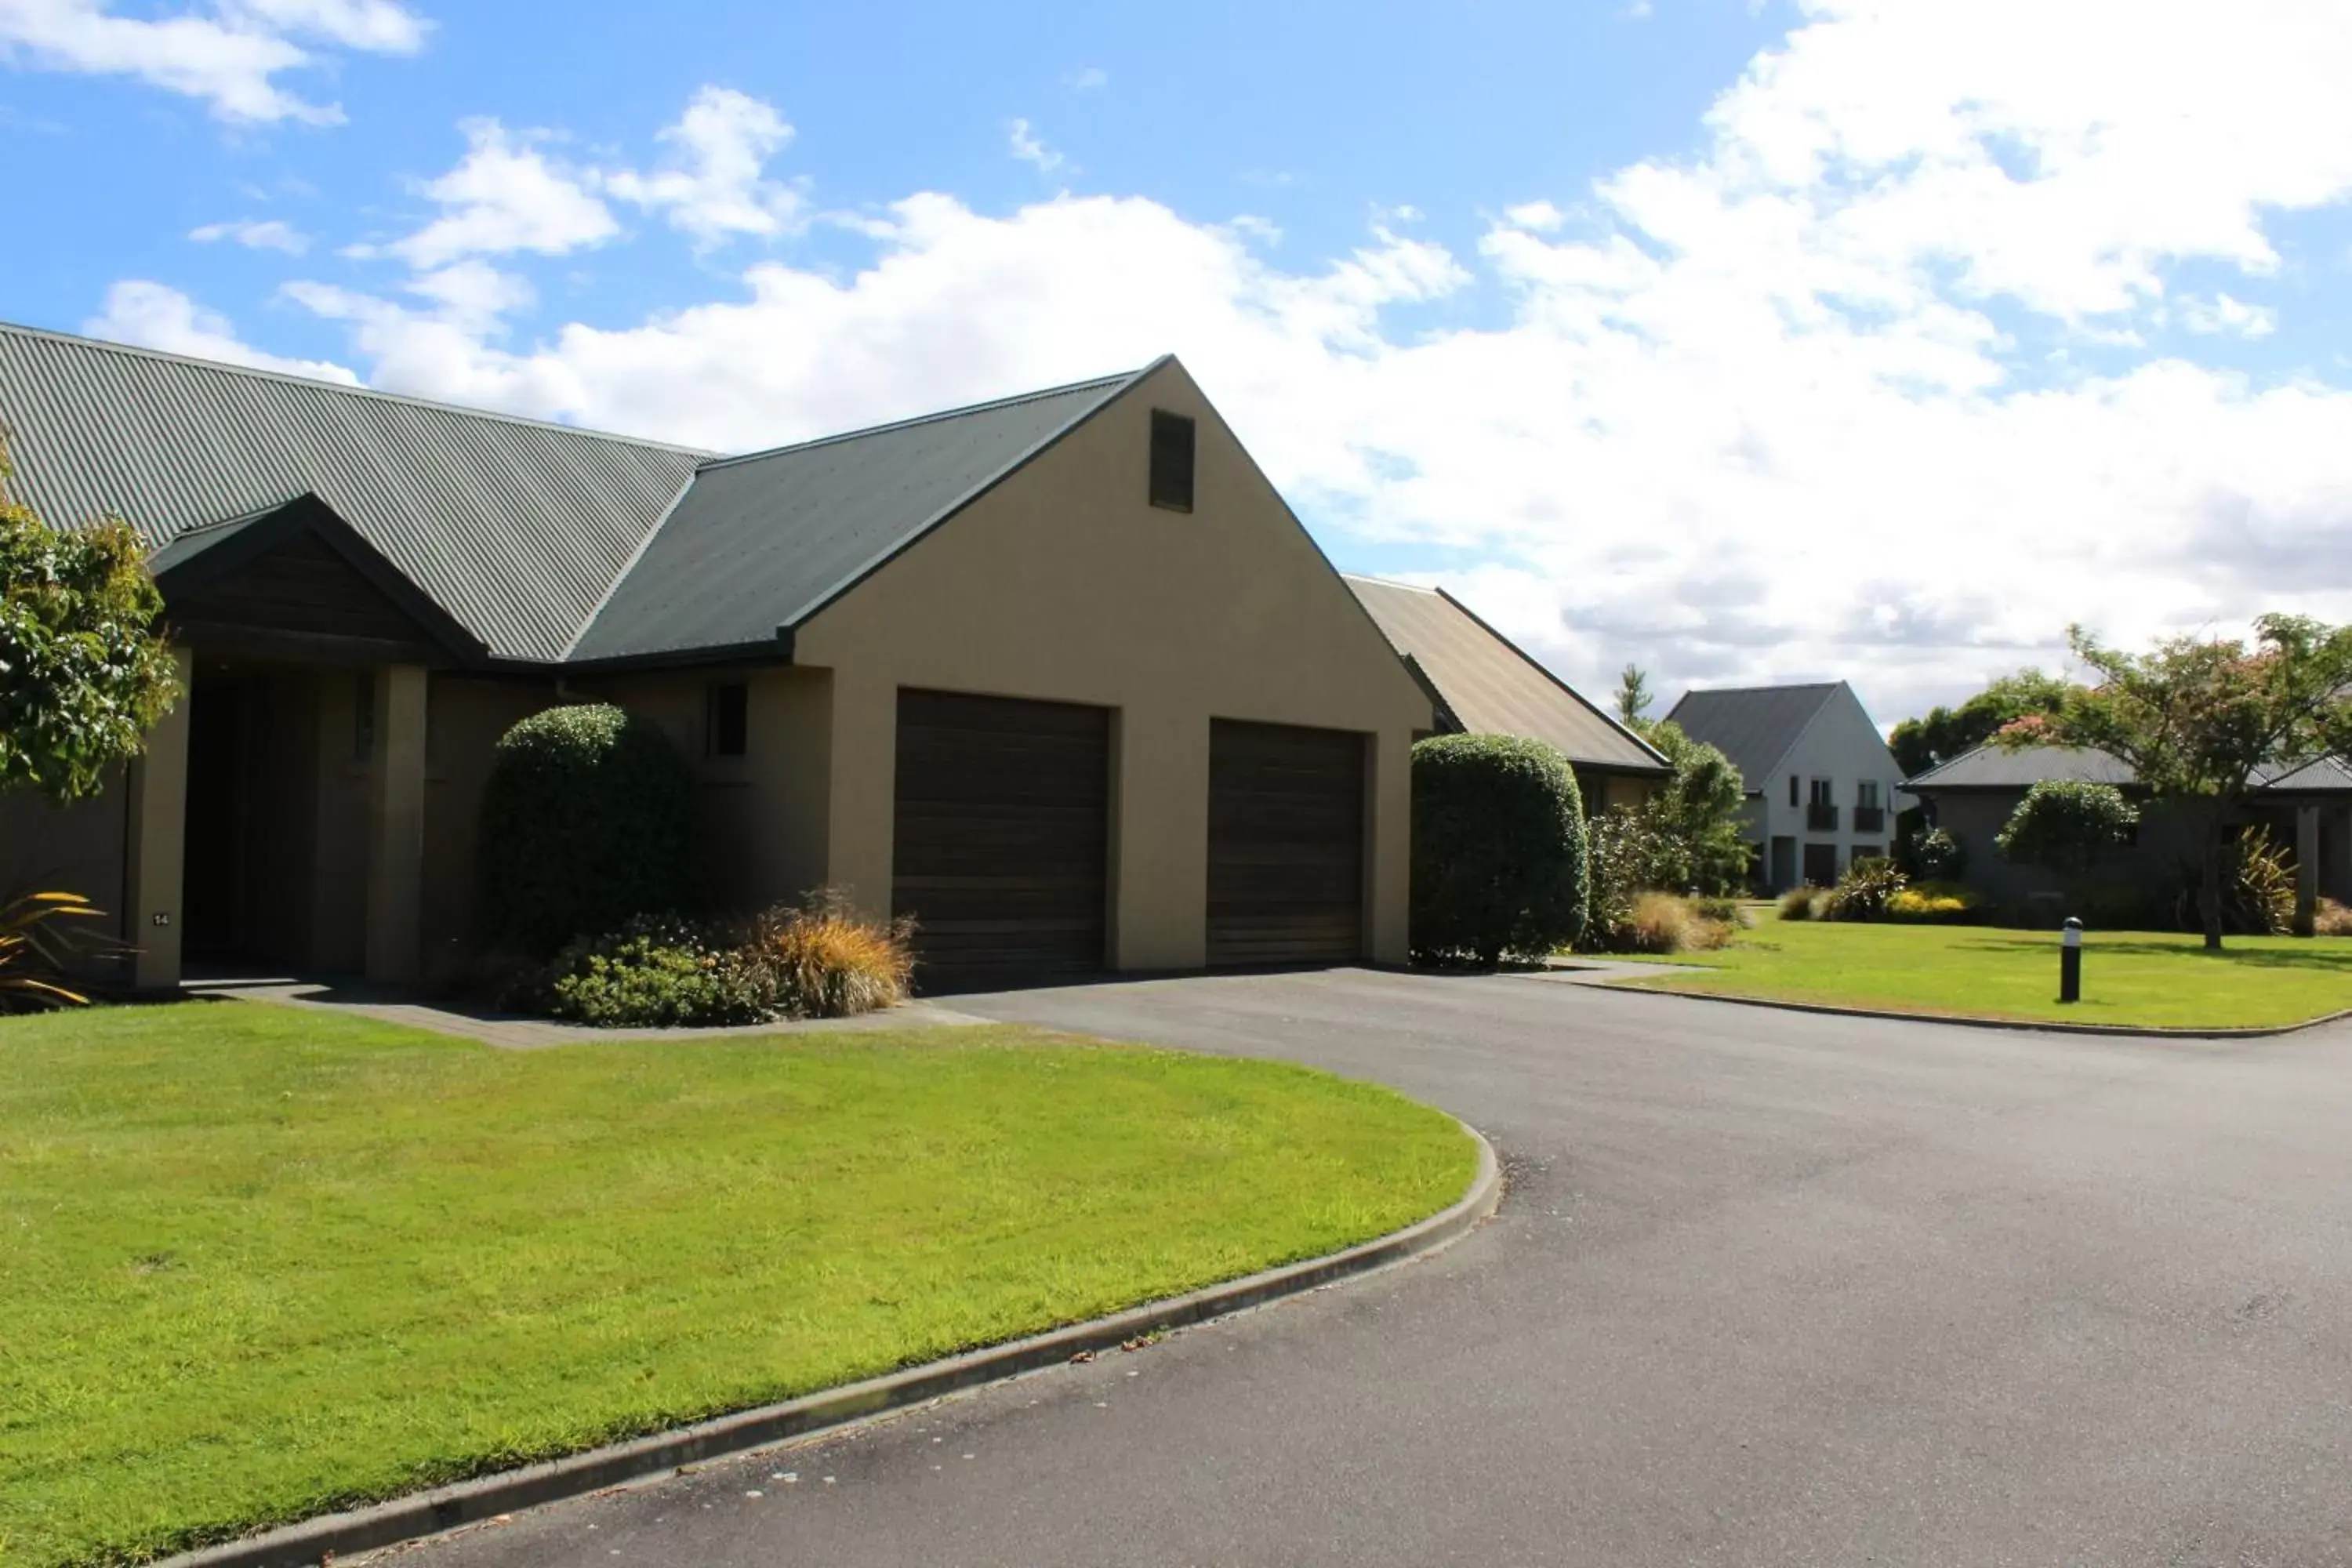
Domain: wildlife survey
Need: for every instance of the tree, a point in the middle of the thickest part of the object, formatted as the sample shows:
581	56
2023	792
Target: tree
1919	744
1696	817
1498	849
1633	695
2198	721
2067	826
84	673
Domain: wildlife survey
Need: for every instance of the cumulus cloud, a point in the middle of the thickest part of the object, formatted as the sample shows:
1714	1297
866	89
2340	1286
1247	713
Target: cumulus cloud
1784	408
153	316
716	185
229	54
2224	315
506	194
254	234
1023	144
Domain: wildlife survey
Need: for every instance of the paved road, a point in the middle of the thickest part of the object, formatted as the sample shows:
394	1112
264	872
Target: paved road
1767	1288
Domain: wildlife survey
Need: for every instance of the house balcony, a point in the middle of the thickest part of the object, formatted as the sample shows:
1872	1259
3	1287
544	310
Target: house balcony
1820	819
1870	819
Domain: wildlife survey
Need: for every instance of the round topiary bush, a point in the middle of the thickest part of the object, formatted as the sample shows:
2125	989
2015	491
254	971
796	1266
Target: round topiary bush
1498	849
588	819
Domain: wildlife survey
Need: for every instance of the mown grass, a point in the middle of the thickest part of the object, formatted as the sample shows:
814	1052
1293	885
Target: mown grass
260	1262
2141	978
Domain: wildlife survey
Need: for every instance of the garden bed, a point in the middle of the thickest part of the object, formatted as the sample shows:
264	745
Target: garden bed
263	1263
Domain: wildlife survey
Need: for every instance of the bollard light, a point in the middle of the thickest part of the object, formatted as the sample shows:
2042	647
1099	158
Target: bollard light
2070	962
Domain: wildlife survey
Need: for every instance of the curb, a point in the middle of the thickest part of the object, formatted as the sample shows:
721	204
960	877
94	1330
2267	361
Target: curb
332	1535
1633	987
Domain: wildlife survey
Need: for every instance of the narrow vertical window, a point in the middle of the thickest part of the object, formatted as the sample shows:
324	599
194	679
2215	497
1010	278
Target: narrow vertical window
363	716
1792	789
1171	460
727	724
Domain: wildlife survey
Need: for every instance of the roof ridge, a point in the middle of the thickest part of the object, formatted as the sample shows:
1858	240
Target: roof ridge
1783	685
1391	582
136	351
1094	384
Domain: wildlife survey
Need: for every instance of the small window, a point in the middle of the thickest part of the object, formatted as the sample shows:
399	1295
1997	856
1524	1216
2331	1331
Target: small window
1821	793
1866	794
363	716
1792	790
1171	460
727	726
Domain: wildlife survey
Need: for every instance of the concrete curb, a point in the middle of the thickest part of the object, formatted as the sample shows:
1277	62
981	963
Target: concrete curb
430	1512
2023	1026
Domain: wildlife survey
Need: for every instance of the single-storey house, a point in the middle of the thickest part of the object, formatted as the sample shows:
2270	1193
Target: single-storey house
1820	782
1480	682
1061	675
2306	807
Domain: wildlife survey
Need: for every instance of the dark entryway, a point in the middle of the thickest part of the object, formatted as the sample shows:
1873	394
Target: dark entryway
1003	837
208	907
1286	845
1821	865
1784	864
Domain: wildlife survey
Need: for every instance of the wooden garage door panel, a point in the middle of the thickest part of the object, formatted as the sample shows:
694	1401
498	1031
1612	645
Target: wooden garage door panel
1002	844
1286	845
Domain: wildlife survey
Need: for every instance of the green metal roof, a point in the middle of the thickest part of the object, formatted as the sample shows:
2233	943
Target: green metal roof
547	544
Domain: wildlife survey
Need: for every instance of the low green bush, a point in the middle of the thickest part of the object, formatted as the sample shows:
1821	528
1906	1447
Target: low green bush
1938	855
1499	863
1863	892
1932	903
655	972
588	818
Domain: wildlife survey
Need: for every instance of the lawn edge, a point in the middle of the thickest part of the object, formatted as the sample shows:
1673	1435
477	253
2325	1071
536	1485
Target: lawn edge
1640	985
441	1508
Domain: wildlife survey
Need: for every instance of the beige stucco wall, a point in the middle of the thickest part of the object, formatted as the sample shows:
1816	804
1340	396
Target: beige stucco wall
76	848
1066	583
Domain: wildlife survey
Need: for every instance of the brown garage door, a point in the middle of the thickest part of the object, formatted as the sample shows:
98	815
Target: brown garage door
1003	836
1286	845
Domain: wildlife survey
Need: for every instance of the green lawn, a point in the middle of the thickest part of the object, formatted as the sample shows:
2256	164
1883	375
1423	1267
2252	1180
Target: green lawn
256	1262
2129	977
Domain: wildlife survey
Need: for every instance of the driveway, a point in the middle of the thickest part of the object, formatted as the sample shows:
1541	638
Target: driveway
1767	1287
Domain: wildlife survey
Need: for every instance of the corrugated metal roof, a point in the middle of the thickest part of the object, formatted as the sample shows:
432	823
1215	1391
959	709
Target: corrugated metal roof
2328	775
1993	767
1753	725
1491	686
762	541
518	528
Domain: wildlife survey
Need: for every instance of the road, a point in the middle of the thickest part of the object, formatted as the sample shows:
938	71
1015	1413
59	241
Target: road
1765	1288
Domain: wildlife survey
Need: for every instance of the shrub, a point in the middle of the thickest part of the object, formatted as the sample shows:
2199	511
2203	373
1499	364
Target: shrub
588	819
1934	903
1863	892
2333	919
1723	912
2067	826
822	960
1665	923
2257	888
1625	855
655	971
1939	856
1498	849
1797	904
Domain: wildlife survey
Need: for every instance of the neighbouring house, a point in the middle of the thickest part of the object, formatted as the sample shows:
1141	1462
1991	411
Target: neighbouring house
1482	683
2307	808
1061	675
1820	782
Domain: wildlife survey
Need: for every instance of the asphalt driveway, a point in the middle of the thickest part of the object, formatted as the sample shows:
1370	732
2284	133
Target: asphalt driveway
1767	1287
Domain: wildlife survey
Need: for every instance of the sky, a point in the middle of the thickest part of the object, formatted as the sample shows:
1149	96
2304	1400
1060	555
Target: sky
1747	340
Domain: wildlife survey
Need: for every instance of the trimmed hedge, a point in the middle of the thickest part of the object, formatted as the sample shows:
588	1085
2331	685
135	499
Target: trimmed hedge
589	818
1499	863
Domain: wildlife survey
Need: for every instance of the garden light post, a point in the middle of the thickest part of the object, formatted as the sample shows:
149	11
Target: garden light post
2070	962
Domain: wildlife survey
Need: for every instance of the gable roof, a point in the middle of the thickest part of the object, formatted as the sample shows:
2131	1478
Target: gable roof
759	543
1489	686
1755	726
516	528
545	544
1991	767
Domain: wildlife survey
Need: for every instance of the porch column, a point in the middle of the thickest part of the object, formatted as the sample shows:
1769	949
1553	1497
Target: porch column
155	855
2306	867
395	825
2339	868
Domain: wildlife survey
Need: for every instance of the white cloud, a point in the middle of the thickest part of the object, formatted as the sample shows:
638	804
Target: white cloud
2223	313
1025	145
229	54
715	186
254	234
1087	79
1782	409
506	194
153	316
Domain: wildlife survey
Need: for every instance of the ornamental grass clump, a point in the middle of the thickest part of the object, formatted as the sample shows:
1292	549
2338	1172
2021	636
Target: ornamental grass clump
824	960
1863	893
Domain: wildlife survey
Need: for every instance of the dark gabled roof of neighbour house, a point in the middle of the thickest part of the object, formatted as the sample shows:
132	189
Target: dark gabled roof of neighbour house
1991	767
1486	685
544	544
1755	726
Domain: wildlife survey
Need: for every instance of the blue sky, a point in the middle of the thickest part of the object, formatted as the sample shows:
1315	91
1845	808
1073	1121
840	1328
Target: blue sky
1812	338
